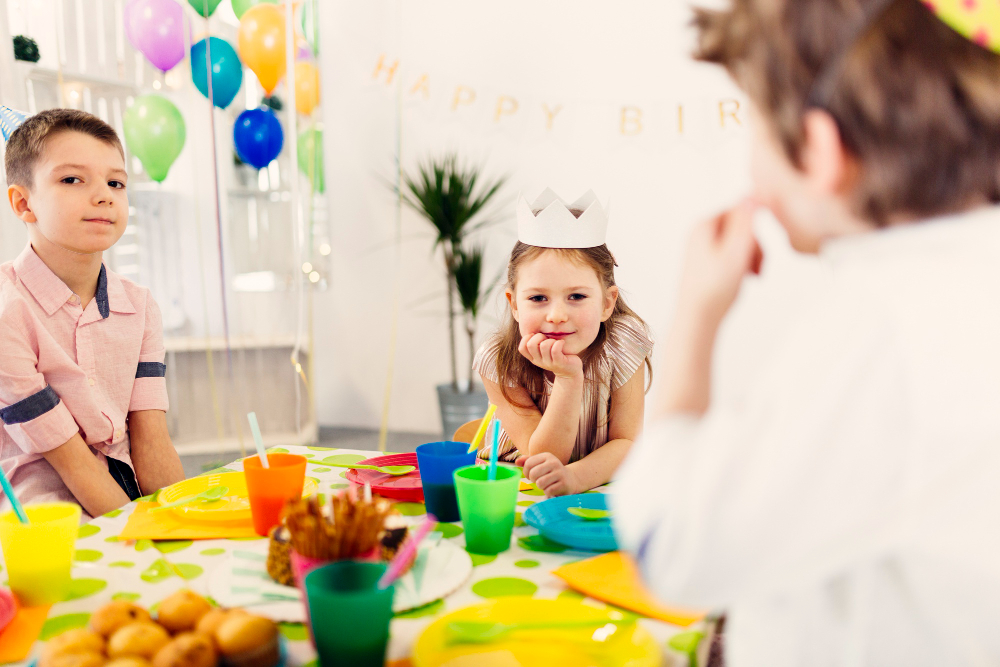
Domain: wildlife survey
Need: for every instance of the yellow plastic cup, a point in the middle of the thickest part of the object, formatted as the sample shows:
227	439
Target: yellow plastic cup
39	554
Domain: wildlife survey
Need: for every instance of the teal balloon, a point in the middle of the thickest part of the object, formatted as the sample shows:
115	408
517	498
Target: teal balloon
204	7
154	133
310	149
240	6
227	70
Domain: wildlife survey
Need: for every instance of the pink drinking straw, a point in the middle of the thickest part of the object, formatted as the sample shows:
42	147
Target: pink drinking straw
405	554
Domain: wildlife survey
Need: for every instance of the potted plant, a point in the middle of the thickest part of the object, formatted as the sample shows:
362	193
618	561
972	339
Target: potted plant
453	199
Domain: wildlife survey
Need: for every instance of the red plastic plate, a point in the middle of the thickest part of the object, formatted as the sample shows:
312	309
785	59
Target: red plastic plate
403	487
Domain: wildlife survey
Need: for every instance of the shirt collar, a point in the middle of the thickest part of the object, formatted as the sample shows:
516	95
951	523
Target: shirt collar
52	293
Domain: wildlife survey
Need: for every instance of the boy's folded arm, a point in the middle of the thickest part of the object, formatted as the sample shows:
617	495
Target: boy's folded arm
86	477
153	455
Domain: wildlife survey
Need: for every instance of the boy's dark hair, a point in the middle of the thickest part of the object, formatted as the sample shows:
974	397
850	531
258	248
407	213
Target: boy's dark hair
27	142
917	104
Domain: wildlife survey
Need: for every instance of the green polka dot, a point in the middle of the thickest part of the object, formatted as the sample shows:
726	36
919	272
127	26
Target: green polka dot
339	486
570	595
449	530
87	530
87	555
321	469
156	572
170	546
533	491
142	545
83	588
527	563
277	450
294	632
188	571
526	503
213	552
131	597
343	459
60	624
481	559
344	474
111	540
432	609
121	563
499	587
307	456
320	449
519	520
411	509
321	498
113	513
540	544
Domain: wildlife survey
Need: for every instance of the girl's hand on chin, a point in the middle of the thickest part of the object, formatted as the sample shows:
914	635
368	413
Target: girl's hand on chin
549	474
548	355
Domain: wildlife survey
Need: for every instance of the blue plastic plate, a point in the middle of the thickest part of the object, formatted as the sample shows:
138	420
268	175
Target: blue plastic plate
554	522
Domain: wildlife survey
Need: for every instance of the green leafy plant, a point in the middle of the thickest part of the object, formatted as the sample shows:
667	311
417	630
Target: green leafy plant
26	49
472	293
453	198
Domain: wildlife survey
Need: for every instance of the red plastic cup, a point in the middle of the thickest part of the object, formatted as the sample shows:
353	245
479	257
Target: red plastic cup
270	488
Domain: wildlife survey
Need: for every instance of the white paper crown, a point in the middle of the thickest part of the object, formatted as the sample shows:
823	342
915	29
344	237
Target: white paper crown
556	227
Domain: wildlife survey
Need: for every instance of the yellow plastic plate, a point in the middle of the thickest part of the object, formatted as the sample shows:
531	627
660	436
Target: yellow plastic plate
231	508
628	646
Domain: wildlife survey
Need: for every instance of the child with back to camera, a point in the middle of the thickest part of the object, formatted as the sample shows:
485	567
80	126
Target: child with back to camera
846	514
567	370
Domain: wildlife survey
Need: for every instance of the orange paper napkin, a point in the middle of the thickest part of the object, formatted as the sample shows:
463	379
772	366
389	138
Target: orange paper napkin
20	634
146	525
614	578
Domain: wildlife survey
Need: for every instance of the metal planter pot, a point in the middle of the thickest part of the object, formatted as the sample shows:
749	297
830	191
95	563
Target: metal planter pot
460	407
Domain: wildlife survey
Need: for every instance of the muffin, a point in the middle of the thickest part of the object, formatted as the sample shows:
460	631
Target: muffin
78	640
129	661
78	659
181	611
141	638
248	641
279	551
114	615
188	649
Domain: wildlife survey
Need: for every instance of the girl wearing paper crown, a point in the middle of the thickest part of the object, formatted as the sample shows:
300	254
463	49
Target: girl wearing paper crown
847	512
567	371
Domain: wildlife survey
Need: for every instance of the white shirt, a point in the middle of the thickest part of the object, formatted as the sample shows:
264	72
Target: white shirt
849	513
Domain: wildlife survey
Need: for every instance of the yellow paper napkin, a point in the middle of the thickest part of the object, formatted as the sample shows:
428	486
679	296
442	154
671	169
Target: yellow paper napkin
146	525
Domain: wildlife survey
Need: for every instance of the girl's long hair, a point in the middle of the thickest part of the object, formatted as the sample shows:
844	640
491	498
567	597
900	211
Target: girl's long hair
512	368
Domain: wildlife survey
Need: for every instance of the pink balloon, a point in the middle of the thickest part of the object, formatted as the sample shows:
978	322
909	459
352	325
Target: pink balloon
156	28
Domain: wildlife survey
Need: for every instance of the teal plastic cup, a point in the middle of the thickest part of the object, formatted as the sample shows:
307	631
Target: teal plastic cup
349	616
487	507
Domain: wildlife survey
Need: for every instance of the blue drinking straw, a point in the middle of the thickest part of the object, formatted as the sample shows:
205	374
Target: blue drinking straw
494	451
9	492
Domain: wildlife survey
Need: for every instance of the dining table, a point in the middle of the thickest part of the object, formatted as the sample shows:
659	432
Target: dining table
146	571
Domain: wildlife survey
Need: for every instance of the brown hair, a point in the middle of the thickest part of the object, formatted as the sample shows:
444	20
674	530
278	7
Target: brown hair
512	368
27	142
917	104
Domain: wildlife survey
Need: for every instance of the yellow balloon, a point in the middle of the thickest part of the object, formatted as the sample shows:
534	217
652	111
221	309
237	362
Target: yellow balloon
261	44
306	87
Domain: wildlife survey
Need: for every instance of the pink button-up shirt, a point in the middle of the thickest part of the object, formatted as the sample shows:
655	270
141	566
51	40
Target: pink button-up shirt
64	369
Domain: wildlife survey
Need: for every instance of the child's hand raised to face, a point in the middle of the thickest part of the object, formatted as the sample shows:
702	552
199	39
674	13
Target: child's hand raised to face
550	475
547	354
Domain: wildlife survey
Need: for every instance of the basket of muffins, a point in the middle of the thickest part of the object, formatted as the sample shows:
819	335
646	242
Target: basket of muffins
347	528
187	632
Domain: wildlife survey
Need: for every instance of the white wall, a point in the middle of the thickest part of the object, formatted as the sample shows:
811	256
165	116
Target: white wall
590	57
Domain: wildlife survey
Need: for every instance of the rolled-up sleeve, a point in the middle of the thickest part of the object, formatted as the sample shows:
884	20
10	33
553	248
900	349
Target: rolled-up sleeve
30	410
149	390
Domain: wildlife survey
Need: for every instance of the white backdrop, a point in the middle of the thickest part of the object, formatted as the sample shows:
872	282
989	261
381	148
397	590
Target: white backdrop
665	139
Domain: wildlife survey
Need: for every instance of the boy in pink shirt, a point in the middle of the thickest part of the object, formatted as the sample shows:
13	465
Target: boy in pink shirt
82	389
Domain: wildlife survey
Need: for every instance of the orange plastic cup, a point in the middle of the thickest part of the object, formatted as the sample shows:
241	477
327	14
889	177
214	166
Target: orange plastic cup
270	488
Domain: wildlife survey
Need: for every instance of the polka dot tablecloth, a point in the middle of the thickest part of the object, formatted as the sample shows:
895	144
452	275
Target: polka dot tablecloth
146	572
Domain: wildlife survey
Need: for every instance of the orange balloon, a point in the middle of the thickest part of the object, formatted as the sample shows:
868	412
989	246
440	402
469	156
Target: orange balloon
306	87
261	44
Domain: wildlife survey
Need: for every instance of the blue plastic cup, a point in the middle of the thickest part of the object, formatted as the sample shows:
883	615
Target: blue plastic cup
438	462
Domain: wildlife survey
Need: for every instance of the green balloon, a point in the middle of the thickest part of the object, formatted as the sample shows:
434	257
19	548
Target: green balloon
240	6
310	148
309	22
154	132
204	7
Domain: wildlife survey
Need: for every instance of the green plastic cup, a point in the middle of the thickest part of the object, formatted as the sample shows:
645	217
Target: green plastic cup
349	616
487	507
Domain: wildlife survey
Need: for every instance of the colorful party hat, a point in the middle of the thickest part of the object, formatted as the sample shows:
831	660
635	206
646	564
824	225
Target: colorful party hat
978	20
10	120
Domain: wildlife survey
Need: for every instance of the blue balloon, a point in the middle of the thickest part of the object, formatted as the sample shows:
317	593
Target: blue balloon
227	71
258	137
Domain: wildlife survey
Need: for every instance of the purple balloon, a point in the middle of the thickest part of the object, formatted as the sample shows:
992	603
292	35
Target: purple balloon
156	28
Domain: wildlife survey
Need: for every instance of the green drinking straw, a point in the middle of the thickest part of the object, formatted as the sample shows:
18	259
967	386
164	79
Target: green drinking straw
15	503
258	441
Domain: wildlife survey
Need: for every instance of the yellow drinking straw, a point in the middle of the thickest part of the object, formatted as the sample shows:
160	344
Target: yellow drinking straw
482	428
